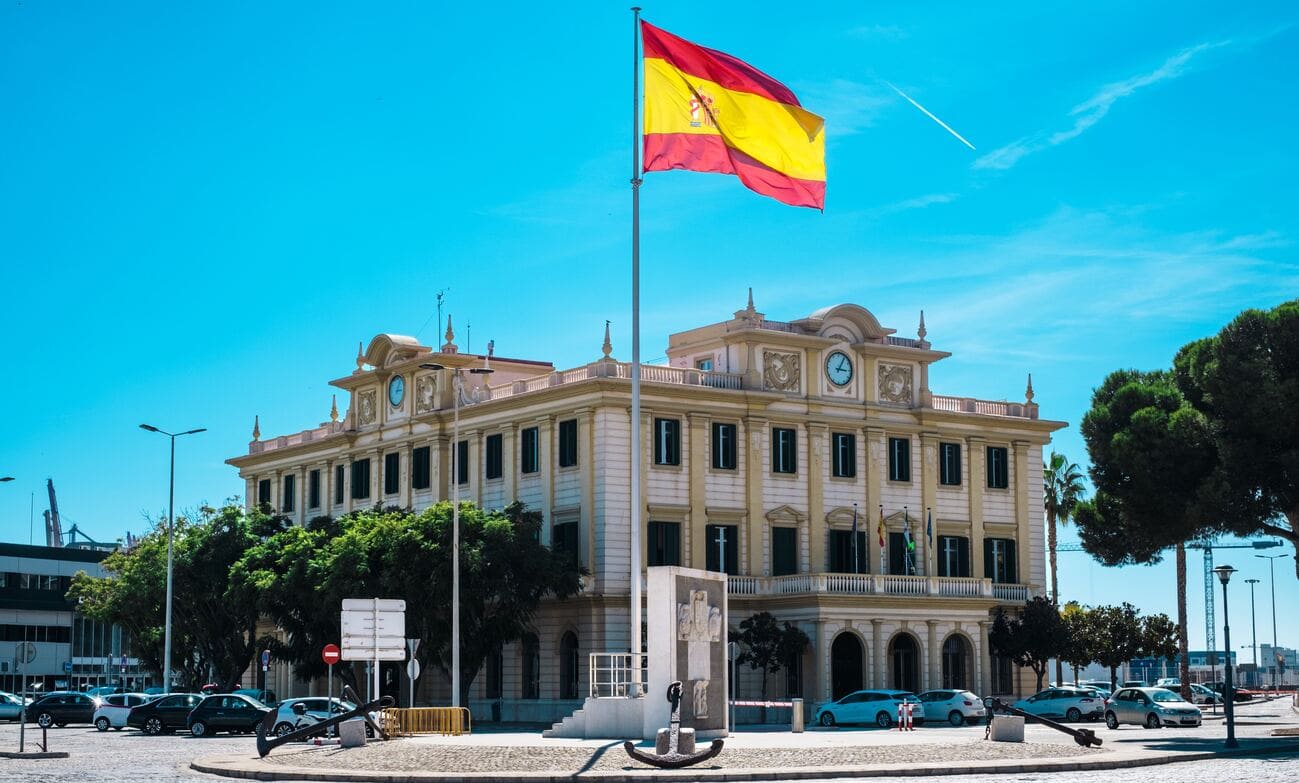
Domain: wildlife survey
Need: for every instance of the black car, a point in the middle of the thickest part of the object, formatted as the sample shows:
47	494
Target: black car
226	712
61	708
163	714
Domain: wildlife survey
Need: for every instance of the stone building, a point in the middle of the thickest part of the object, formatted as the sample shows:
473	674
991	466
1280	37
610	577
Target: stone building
766	443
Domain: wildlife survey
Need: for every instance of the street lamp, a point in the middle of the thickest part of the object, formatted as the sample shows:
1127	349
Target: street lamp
1224	573
171	519
455	519
1253	629
1272	576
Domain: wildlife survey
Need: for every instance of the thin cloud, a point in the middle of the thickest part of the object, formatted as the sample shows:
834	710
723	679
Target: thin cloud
876	32
919	202
1092	110
848	107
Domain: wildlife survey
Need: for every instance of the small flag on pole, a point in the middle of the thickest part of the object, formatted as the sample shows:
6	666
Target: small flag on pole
883	567
910	544
929	528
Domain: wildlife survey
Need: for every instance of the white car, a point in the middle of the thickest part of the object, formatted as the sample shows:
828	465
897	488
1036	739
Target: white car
1202	695
878	707
112	709
1171	683
1071	704
959	707
317	707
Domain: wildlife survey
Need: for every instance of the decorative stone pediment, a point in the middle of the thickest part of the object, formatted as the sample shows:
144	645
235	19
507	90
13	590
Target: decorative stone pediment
842	517
386	350
786	515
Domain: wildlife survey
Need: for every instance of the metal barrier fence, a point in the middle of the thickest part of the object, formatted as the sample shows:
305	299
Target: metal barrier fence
613	674
408	721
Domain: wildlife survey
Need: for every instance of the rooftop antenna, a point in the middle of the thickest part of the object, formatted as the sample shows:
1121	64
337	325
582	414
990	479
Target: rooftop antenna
469	338
441	297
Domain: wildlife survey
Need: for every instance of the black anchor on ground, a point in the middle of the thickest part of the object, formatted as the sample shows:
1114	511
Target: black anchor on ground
266	741
673	759
1084	737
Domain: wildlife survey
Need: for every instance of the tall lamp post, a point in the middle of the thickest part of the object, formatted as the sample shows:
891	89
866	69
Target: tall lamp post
1271	573
455	519
1253	627
1224	573
171	527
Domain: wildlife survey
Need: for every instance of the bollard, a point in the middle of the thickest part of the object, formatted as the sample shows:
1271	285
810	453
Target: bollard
796	717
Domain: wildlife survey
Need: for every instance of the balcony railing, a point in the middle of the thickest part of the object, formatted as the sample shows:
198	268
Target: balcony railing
876	584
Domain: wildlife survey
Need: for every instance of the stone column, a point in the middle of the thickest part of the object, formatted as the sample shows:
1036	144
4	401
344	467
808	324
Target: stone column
510	463
817	448
934	673
440	459
754	431
586	470
376	471
876	468
1023	537
984	674
977	450
697	491
877	657
824	668
546	445
929	498
474	490
250	493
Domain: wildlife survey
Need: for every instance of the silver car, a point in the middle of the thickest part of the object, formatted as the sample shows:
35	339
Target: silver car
1150	707
1071	704
959	706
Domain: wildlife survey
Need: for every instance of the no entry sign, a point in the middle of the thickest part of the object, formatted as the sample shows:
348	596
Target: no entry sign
330	654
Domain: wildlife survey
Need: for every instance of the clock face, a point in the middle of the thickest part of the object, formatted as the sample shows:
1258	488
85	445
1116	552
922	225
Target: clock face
396	390
838	368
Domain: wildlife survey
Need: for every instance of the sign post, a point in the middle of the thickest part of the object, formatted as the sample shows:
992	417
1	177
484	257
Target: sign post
412	668
374	629
26	653
330	655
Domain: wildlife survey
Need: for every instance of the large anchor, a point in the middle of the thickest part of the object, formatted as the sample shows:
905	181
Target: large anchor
266	741
674	758
1084	737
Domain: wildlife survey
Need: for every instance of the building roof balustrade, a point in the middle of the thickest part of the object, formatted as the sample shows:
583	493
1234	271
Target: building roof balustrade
876	584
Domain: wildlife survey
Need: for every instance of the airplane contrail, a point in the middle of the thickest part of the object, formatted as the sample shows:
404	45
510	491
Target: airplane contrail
931	116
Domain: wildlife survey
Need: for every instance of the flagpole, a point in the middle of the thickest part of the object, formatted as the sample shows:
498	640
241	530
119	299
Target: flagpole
635	357
855	569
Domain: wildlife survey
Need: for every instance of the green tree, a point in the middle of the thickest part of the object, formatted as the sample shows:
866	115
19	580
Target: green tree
131	595
1245	380
1077	648
767	646
1031	639
1062	488
1119	637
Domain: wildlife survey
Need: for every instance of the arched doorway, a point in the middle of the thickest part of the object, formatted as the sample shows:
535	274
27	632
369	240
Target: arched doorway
568	666
904	655
957	660
845	665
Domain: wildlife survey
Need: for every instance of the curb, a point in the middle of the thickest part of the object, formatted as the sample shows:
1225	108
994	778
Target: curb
250	769
33	754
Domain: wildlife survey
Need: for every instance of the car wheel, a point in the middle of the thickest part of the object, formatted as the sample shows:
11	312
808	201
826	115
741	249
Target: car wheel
1152	721
198	728
827	719
1111	720
153	726
102	724
883	720
956	718
1073	715
45	720
282	729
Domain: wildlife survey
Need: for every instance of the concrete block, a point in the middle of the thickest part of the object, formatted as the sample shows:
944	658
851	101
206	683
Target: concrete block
1007	728
685	741
351	733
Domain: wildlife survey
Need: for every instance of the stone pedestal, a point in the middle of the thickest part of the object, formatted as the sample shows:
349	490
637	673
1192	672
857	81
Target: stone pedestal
351	733
686	622
1007	728
685	741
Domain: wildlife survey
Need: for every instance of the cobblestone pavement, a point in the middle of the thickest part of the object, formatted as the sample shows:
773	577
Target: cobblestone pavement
1250	770
114	756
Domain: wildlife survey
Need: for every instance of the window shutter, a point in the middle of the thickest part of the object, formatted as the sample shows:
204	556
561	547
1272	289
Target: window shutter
963	555
987	559
1011	576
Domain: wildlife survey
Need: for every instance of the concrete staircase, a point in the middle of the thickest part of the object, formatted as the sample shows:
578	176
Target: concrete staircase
611	718
571	727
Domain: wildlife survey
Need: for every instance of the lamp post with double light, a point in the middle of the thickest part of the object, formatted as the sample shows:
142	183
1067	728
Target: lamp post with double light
455	519
1224	573
1271	573
1253	627
171	527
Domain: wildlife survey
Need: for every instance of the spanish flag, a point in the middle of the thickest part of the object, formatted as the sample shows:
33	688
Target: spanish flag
708	111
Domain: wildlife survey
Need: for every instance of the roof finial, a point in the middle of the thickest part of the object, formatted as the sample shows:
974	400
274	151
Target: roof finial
607	348
922	331
449	346
257	429
360	355
333	407
749	306
1028	392
491	348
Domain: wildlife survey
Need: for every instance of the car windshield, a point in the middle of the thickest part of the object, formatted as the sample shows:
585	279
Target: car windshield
1165	696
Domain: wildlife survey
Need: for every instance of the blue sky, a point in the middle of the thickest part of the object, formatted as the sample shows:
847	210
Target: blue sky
204	209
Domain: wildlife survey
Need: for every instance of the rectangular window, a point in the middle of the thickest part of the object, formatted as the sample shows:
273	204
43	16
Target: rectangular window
361	479
784	551
664	544
391	473
495	674
841	552
704	364
723	548
264	492
843	446
899	459
784	452
493	466
313	489
529	453
563	538
949	464
568	443
953	556
1002	682
999	560
290	493
667	442
421	468
998	474
724	441
462	462
531	666
340	478
902	561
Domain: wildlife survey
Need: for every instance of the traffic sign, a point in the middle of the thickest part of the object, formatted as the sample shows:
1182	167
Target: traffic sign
266	659
412	669
357	623
67	667
374	629
374	605
330	654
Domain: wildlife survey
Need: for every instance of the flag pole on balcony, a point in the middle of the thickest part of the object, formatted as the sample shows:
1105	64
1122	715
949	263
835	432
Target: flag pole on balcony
635	358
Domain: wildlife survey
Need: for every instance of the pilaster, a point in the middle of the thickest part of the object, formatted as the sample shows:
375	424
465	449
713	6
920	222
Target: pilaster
755	473
817	448
977	450
586	469
1023	542
984	674
933	673
876	469
929	497
697	426
546	441
877	654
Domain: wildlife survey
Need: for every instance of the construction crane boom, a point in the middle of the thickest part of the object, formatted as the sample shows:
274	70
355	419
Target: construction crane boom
53	526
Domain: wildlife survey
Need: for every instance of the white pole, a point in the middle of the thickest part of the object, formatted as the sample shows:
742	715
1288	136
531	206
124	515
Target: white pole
330	711
455	546
635	361
375	672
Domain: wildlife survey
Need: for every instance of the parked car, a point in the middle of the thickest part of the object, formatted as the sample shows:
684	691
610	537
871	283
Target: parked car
1134	684
105	690
878	707
61	708
113	709
162	714
11	706
1237	693
1150	707
1202	695
316	707
960	707
233	712
1171	683
259	694
1071	704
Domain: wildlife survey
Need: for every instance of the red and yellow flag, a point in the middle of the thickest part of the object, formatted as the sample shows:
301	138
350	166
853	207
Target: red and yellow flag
708	111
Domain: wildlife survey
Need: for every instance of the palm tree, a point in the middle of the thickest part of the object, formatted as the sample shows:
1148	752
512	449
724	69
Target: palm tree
1062	488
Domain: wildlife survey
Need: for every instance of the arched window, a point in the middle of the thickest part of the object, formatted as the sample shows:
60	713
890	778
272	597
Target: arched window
845	665
956	663
568	666
904	654
530	651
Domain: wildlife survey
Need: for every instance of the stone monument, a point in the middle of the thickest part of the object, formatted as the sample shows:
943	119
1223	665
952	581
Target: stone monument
686	624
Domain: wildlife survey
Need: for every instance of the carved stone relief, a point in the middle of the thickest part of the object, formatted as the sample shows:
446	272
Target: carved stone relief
895	383
365	400
780	371
425	393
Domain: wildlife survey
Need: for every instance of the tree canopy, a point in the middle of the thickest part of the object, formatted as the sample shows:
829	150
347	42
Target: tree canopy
1031	639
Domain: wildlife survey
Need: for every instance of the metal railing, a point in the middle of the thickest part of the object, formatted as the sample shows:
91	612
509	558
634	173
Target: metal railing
875	584
614	674
409	721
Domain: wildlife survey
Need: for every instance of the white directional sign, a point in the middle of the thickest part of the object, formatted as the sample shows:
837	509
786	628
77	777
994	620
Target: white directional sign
374	629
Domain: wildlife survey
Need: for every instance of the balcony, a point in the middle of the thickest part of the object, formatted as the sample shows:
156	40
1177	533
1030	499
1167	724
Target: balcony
876	585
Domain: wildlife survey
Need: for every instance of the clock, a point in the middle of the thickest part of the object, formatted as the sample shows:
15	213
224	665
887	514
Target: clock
396	390
838	368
